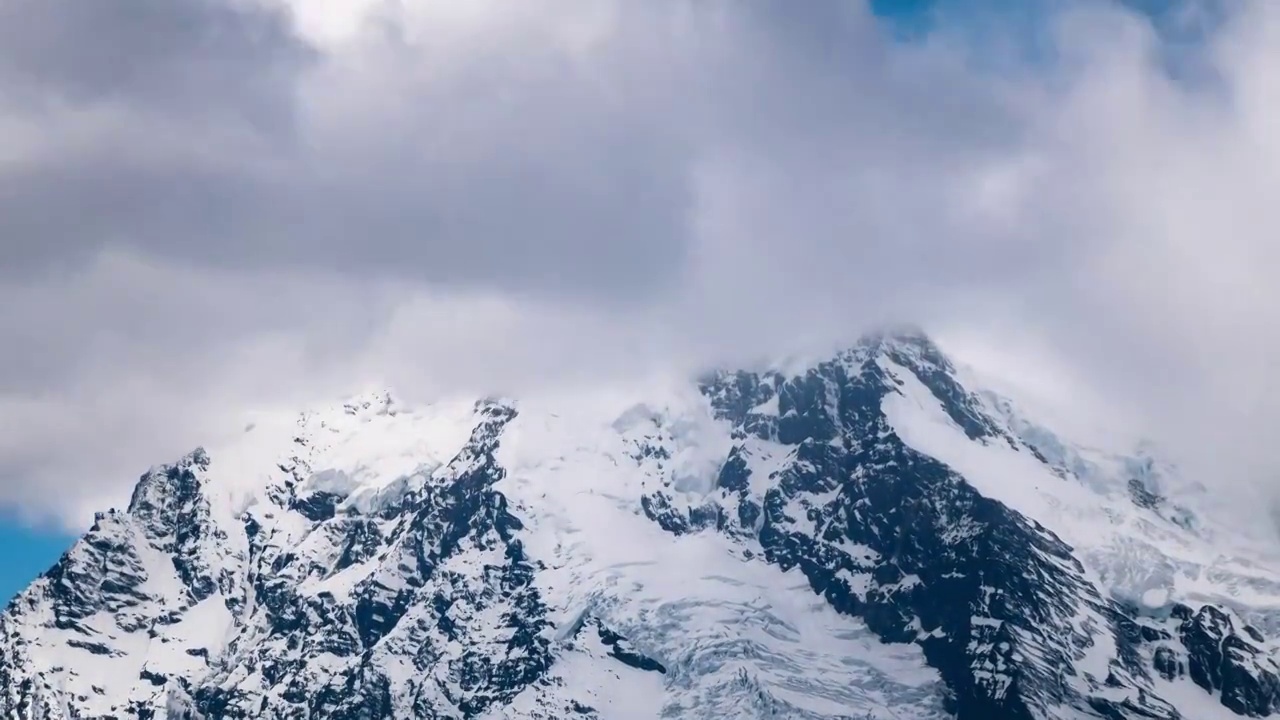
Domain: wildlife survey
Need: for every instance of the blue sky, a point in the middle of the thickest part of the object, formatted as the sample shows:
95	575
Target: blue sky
26	553
1023	24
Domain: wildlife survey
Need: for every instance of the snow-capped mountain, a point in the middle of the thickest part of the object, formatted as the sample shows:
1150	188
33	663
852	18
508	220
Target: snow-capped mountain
870	536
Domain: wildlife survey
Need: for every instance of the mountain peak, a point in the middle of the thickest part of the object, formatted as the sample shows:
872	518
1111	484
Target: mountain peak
903	333
161	488
907	343
869	537
904	338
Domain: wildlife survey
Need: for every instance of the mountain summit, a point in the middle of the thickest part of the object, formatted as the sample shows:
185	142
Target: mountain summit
872	536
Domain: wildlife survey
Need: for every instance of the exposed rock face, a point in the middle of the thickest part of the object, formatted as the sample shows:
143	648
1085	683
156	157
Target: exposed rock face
767	544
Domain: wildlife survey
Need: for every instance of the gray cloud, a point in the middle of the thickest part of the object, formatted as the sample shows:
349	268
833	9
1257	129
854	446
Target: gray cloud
543	166
559	166
191	57
484	196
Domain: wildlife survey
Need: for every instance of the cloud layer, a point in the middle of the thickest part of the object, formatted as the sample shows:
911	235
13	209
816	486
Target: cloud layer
210	205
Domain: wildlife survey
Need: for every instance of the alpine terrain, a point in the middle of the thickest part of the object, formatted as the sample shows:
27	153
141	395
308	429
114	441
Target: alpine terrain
874	535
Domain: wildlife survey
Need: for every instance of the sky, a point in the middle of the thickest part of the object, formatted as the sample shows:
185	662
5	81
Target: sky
213	206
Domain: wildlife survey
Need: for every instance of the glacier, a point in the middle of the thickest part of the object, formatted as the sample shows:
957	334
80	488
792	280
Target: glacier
874	535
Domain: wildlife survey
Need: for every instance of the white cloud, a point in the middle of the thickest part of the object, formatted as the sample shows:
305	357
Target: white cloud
467	195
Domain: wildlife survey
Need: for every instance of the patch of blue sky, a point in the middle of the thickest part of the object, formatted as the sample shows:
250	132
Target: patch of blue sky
1020	33
25	552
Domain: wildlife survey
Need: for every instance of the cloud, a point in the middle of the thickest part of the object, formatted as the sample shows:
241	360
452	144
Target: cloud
193	58
519	151
209	205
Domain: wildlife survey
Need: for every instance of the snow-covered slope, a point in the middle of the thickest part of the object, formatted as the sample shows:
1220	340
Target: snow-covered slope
868	537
